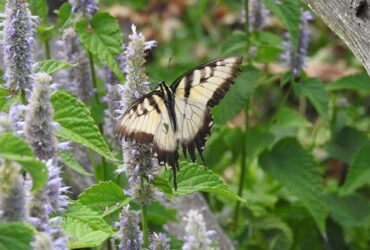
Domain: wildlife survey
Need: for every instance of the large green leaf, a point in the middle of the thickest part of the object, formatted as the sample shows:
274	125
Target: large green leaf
82	235
16	235
51	66
346	142
159	214
348	211
236	98
69	160
3	96
15	149
314	90
193	177
103	39
359	171
39	8
104	197
234	44
288	11
296	169
288	117
359	82
77	124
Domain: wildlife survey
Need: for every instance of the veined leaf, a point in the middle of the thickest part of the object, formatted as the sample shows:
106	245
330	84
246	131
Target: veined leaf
193	177
290	118
16	235
77	124
163	185
314	90
64	12
289	14
244	87
82	235
296	169
103	39
104	197
358	82
234	44
51	66
15	149
359	171
159	214
39	8
69	160
257	141
3	96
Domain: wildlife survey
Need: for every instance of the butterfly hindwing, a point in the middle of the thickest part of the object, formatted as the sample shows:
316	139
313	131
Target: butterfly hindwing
194	93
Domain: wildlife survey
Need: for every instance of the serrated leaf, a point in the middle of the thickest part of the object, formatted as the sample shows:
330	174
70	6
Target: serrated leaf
16	235
359	171
163	185
193	177
296	169
289	14
77	124
314	90
87	216
359	82
104	197
103	39
257	141
51	66
348	211
15	149
69	160
288	117
38	8
346	142
82	235
243	88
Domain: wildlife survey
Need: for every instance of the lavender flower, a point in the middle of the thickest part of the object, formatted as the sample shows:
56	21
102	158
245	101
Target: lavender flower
19	28
129	234
258	15
159	242
78	78
197	237
12	195
138	163
38	124
42	241
85	7
296	60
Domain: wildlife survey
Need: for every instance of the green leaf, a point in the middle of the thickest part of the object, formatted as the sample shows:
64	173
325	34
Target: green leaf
289	14
314	90
104	197
235	100
346	142
359	82
51	66
234	44
103	39
348	211
359	171
2	6
15	149
257	141
82	235
296	169
159	214
89	217
164	186
39	8
288	117
77	124
69	160
3	97
193	177
64	13
16	235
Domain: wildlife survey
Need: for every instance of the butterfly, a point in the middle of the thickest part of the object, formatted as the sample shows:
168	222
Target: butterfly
180	114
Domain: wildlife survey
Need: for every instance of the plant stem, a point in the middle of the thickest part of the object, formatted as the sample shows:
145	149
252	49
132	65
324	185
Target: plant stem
144	221
246	30
47	49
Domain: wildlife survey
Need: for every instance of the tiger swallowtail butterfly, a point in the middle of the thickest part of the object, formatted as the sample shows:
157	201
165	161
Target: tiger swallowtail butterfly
180	114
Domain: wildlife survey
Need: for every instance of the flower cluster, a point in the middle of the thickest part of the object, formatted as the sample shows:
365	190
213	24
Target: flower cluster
159	242
197	236
138	162
18	31
258	15
295	60
78	78
129	234
87	8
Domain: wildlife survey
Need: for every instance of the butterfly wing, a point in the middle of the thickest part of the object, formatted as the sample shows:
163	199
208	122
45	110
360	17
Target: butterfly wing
147	121
195	93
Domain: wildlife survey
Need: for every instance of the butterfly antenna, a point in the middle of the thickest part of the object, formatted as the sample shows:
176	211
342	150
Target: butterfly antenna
168	68
152	79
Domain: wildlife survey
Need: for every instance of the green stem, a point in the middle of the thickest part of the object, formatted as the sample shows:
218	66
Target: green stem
144	222
243	165
47	49
246	30
23	97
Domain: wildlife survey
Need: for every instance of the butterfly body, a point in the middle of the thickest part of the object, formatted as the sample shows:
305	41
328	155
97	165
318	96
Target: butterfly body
180	114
